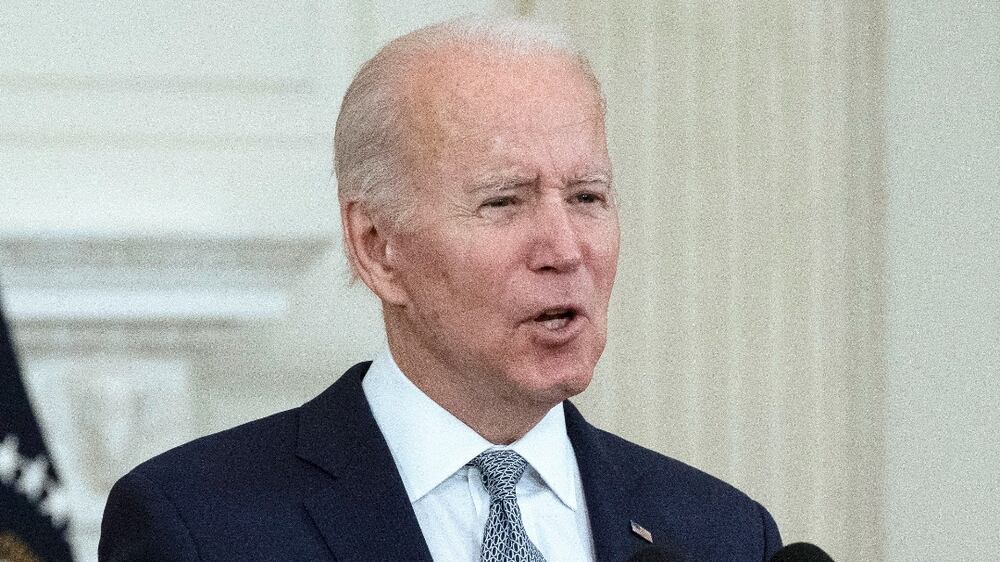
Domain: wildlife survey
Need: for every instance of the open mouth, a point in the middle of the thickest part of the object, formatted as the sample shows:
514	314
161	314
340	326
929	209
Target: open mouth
556	318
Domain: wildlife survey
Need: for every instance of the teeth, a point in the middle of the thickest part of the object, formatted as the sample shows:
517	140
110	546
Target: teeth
555	323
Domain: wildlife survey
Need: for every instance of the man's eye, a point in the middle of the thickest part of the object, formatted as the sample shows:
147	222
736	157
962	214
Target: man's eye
500	202
587	198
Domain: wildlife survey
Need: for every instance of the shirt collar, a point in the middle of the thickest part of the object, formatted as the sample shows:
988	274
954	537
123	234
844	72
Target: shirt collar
548	451
429	444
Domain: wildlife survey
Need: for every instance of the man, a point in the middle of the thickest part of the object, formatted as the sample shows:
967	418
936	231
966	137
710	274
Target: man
477	203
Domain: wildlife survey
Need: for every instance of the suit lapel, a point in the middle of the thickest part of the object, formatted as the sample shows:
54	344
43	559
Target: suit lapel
609	488
363	512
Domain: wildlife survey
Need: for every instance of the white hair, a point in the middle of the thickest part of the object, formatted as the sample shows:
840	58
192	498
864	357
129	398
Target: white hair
368	154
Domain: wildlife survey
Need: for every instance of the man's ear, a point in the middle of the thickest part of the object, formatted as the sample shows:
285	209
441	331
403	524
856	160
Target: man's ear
370	249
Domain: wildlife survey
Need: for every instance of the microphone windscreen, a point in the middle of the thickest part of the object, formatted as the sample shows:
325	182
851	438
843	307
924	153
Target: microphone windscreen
801	552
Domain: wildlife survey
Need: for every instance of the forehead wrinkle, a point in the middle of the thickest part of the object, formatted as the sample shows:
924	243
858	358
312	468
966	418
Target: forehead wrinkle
520	174
511	128
444	111
444	106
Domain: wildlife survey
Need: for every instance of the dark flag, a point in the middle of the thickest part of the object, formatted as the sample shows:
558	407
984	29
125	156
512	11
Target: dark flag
33	507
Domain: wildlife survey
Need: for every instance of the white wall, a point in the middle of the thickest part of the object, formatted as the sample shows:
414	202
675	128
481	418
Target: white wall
210	118
943	396
142	118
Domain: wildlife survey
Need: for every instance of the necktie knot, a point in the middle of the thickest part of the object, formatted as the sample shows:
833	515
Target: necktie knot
504	538
501	469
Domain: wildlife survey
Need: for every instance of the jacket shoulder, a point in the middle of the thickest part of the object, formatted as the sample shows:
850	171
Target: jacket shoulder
648	465
696	513
201	500
256	446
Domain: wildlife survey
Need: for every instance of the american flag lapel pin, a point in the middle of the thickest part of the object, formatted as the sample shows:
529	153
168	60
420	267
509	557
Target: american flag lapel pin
641	531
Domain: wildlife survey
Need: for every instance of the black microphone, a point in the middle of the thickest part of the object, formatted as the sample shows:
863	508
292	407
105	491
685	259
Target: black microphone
655	554
801	552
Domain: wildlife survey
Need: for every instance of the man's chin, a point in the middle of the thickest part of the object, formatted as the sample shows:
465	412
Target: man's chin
554	387
565	373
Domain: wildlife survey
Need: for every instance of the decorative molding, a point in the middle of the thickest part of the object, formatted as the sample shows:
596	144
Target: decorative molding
122	305
104	141
79	262
150	84
168	112
135	293
112	333
103	414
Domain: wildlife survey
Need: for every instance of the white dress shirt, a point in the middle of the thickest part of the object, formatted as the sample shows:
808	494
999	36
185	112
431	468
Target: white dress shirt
431	448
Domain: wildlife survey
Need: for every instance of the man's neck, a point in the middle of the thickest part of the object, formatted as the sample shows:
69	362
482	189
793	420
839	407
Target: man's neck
497	421
500	417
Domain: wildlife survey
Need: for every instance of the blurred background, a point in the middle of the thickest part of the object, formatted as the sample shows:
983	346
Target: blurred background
807	304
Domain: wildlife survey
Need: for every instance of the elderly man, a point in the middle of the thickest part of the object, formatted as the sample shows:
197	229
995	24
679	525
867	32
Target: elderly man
477	203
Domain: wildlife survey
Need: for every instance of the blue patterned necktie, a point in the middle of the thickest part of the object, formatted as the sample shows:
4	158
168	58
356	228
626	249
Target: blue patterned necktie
504	539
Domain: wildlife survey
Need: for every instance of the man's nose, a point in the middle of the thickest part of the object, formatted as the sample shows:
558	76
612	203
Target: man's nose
555	241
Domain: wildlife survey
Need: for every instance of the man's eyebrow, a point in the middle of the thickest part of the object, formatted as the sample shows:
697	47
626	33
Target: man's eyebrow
498	181
591	176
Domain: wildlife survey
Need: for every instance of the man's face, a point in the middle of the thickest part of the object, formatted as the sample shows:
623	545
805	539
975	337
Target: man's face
508	262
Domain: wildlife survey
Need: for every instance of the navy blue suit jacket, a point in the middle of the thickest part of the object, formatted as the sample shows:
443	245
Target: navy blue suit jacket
318	483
